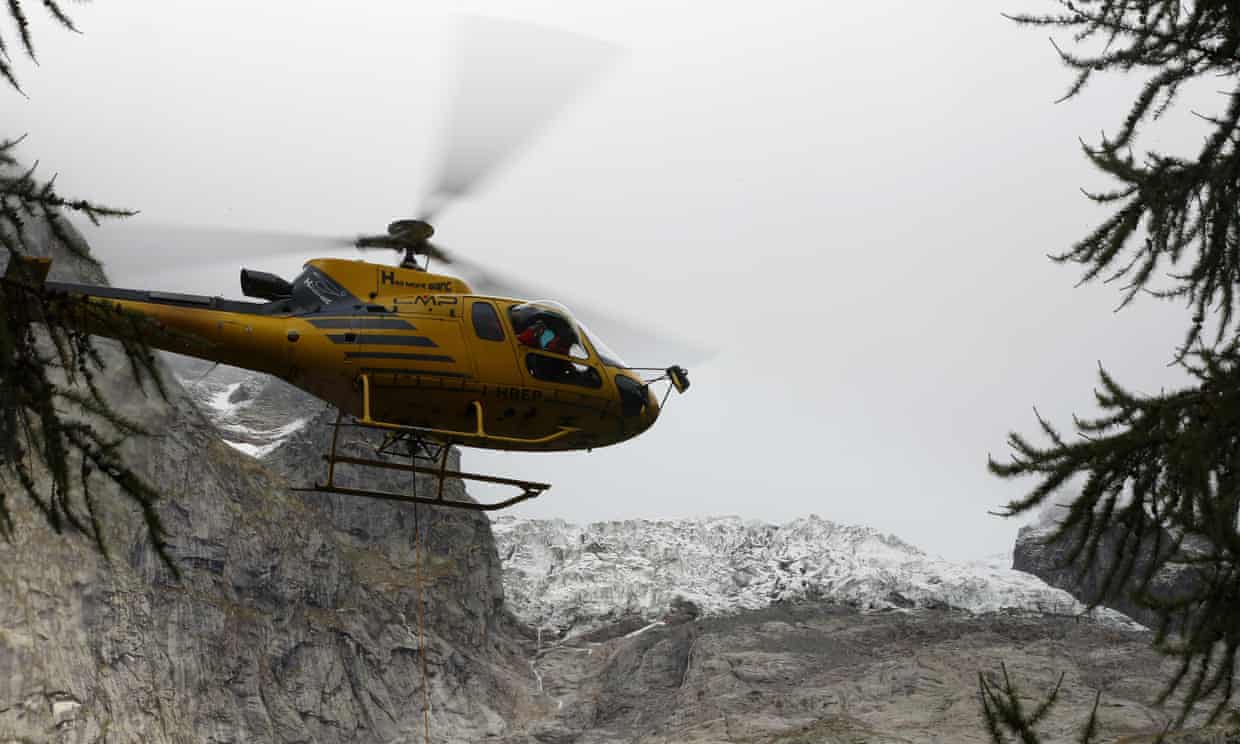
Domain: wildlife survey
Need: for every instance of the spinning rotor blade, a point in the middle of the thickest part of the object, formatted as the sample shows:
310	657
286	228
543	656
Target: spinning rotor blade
133	253
637	346
201	260
513	78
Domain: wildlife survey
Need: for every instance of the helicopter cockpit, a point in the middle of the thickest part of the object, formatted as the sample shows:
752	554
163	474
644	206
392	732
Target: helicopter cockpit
546	326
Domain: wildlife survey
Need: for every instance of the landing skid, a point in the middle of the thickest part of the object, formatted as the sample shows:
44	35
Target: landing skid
414	445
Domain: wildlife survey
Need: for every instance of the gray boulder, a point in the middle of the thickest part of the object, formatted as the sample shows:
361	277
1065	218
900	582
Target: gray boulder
1039	552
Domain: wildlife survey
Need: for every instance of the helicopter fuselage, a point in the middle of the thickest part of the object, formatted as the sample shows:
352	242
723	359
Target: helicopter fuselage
407	349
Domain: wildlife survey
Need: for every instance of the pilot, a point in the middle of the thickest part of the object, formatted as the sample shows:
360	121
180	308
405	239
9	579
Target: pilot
537	335
558	344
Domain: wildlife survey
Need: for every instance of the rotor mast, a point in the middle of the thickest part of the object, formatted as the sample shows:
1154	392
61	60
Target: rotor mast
411	237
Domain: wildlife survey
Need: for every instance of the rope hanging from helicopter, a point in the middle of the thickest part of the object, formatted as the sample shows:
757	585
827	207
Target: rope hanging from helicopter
417	583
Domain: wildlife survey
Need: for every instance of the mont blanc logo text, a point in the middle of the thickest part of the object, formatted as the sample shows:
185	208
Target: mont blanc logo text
390	279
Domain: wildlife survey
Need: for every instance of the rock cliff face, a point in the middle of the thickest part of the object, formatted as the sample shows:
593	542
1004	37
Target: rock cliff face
1037	553
821	673
254	413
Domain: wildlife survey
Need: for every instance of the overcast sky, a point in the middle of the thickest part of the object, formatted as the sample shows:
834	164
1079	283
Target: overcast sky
851	202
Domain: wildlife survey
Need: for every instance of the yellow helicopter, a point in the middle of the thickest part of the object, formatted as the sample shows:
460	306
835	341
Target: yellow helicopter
416	354
421	356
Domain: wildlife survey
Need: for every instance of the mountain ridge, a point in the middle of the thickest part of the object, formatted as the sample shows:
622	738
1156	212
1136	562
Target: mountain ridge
565	577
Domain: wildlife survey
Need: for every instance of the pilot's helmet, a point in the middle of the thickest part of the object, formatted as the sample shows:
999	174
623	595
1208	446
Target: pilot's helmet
523	316
527	314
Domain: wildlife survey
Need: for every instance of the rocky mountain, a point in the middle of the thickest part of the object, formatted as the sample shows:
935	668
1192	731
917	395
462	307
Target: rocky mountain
1041	552
254	413
295	615
561	577
822	673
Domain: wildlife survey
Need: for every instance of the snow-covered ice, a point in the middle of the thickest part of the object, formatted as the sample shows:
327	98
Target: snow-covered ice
274	437
230	404
561	575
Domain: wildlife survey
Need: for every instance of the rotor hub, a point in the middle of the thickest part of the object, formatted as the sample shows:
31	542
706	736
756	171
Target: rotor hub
413	230
412	236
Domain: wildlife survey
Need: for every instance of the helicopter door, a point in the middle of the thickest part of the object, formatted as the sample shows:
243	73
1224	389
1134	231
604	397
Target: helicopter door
493	355
418	344
446	354
550	350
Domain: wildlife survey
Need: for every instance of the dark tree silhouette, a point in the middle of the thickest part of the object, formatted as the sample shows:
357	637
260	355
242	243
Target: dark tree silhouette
1006	719
1163	471
18	15
58	433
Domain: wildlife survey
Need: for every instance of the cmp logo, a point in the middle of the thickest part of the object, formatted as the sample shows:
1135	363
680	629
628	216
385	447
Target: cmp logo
388	278
428	300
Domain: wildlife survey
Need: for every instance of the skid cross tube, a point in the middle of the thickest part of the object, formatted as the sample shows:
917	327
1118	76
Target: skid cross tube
387	496
438	470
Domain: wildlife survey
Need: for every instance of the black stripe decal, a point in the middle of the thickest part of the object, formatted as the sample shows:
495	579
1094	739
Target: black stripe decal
422	372
397	355
363	321
375	339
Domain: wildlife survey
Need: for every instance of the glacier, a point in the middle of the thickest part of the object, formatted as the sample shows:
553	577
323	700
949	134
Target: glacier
567	578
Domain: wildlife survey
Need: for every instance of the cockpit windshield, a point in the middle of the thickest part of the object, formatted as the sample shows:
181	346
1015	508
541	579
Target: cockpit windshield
547	326
605	353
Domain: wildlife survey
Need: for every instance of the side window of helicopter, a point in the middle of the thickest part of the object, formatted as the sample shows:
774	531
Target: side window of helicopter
551	369
539	327
486	321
